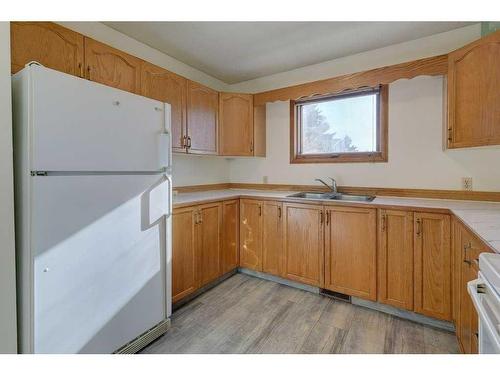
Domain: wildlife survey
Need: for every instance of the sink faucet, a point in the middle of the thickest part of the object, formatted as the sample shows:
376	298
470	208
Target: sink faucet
333	187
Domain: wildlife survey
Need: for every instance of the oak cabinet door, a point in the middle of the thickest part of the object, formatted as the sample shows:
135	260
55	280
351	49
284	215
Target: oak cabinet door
303	243
272	241
209	235
184	254
202	112
251	234
473	94
468	248
432	265
160	84
350	251
112	67
51	45
259	130
395	258
236	124
231	235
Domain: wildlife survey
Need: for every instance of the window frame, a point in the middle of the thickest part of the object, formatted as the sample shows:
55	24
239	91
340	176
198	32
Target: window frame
381	155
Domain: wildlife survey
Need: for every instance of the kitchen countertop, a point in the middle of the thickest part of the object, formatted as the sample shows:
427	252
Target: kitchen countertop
482	218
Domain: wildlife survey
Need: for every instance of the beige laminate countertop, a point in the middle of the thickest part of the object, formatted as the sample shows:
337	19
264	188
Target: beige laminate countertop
482	218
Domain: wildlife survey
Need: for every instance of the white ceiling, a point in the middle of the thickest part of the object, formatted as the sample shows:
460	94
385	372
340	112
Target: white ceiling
238	51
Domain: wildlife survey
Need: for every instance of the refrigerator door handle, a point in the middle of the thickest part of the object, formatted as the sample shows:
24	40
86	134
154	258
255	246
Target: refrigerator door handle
169	209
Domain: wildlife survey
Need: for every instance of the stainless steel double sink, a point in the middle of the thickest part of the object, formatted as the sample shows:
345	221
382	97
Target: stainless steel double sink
332	196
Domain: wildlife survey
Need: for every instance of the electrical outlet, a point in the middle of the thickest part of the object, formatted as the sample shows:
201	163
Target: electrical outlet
467	183
264	179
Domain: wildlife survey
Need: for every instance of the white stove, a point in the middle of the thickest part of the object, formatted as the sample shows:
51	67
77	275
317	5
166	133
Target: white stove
485	294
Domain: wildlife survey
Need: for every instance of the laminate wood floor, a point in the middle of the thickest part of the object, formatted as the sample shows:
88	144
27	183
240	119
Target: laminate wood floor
245	314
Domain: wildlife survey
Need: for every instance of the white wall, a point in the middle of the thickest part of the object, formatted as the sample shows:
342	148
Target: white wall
416	156
199	170
8	329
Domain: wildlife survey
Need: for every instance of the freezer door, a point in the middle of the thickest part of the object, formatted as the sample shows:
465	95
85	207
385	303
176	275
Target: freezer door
99	260
79	125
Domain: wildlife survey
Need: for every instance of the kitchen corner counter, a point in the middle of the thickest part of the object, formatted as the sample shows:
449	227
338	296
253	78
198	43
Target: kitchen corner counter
482	218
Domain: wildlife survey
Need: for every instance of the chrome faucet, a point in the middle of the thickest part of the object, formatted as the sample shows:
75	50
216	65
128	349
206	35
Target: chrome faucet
333	187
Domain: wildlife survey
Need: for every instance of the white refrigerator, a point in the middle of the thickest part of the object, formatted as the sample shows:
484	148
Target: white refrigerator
93	215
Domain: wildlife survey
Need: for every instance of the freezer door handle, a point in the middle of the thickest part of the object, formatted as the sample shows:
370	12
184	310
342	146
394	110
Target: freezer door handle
164	150
169	209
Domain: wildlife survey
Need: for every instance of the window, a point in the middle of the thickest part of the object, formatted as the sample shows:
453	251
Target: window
348	127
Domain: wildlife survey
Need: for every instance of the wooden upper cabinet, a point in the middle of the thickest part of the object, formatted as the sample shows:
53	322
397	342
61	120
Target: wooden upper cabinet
49	44
251	234
432	265
184	254
272	241
112	67
350	251
303	243
473	94
230	235
395	258
236	124
209	241
202	123
160	84
259	130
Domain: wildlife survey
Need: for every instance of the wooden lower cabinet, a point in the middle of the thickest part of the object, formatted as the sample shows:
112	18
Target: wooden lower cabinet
351	251
272	239
303	243
184	253
395	258
230	258
251	234
196	248
432	254
209	236
467	249
261	240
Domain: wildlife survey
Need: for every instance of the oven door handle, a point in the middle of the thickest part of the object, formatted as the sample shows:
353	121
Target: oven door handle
475	289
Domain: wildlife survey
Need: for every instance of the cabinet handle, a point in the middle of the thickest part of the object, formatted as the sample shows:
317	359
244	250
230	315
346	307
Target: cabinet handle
327	217
419	227
279	212
260	210
450	138
88	71
80	68
188	145
183	142
200	215
384	222
321	217
251	147
467	247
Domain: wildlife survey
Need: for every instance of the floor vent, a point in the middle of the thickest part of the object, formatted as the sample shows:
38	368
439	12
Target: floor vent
145	339
335	295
